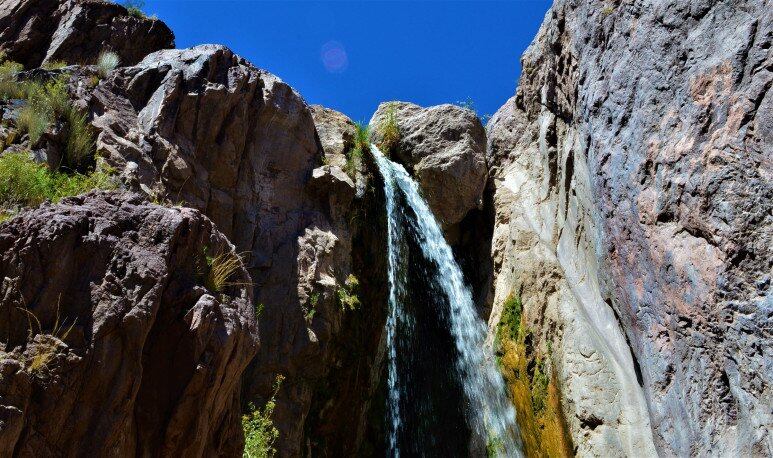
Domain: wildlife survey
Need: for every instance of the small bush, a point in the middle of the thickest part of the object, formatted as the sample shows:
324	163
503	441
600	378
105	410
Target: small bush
10	87
33	122
26	183
390	133
361	145
259	431
45	104
106	63
348	296
80	137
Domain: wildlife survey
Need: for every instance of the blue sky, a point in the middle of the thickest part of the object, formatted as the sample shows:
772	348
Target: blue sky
352	55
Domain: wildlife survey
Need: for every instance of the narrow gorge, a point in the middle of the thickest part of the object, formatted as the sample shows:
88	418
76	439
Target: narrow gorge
197	262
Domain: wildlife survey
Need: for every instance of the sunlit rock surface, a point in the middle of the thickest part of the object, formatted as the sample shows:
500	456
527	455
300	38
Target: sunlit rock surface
632	186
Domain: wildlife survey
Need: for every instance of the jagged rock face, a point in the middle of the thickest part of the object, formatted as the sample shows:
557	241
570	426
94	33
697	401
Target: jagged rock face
444	147
204	127
632	180
111	343
336	133
34	32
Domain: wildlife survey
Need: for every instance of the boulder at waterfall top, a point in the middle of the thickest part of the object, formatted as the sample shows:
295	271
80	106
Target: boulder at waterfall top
444	147
36	32
114	344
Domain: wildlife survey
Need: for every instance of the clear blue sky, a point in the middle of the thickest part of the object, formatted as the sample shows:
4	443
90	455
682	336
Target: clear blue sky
352	55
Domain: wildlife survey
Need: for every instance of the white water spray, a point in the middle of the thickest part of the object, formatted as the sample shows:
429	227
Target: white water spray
488	411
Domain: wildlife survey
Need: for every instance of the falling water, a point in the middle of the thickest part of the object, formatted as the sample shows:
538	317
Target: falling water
424	412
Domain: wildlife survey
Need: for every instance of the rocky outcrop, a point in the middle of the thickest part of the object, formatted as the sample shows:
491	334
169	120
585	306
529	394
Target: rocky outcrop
111	342
34	32
336	133
444	147
205	128
632	187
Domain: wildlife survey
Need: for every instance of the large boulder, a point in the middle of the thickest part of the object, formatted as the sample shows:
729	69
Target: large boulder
632	184
111	342
444	147
35	32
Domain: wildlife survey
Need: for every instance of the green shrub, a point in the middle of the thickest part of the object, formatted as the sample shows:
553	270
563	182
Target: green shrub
259	431
80	137
106	63
45	104
10	87
26	183
33	122
348	295
390	133
361	145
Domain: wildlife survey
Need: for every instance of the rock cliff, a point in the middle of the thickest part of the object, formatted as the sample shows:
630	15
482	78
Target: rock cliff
114	342
632	185
37	32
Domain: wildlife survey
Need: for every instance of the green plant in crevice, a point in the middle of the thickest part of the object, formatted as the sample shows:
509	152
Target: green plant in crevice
260	434
390	132
357	152
259	309
348	295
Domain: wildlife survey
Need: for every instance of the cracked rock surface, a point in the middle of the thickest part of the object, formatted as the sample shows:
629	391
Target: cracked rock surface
634	193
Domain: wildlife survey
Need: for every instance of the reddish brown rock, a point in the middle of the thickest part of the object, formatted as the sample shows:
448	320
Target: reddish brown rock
111	343
34	32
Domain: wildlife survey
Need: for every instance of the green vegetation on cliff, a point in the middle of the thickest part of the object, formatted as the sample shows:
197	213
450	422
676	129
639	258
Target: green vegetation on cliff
259	430
26	183
532	386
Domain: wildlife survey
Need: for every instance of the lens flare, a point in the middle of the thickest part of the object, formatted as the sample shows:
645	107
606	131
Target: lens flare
334	57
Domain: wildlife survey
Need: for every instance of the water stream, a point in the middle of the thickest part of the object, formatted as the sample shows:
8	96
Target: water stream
446	396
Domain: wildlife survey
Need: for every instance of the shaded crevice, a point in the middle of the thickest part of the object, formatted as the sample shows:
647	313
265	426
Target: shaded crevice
634	359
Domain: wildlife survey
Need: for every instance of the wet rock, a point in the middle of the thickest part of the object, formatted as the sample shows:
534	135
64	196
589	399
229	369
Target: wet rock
444	147
632	185
111	343
34	32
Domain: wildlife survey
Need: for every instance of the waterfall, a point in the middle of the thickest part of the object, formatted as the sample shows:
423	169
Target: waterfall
446	396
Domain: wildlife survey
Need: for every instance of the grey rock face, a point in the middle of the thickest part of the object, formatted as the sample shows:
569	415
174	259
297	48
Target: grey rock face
111	344
33	32
641	133
444	147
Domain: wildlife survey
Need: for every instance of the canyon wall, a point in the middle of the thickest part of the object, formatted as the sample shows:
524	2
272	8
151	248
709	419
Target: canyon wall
631	177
